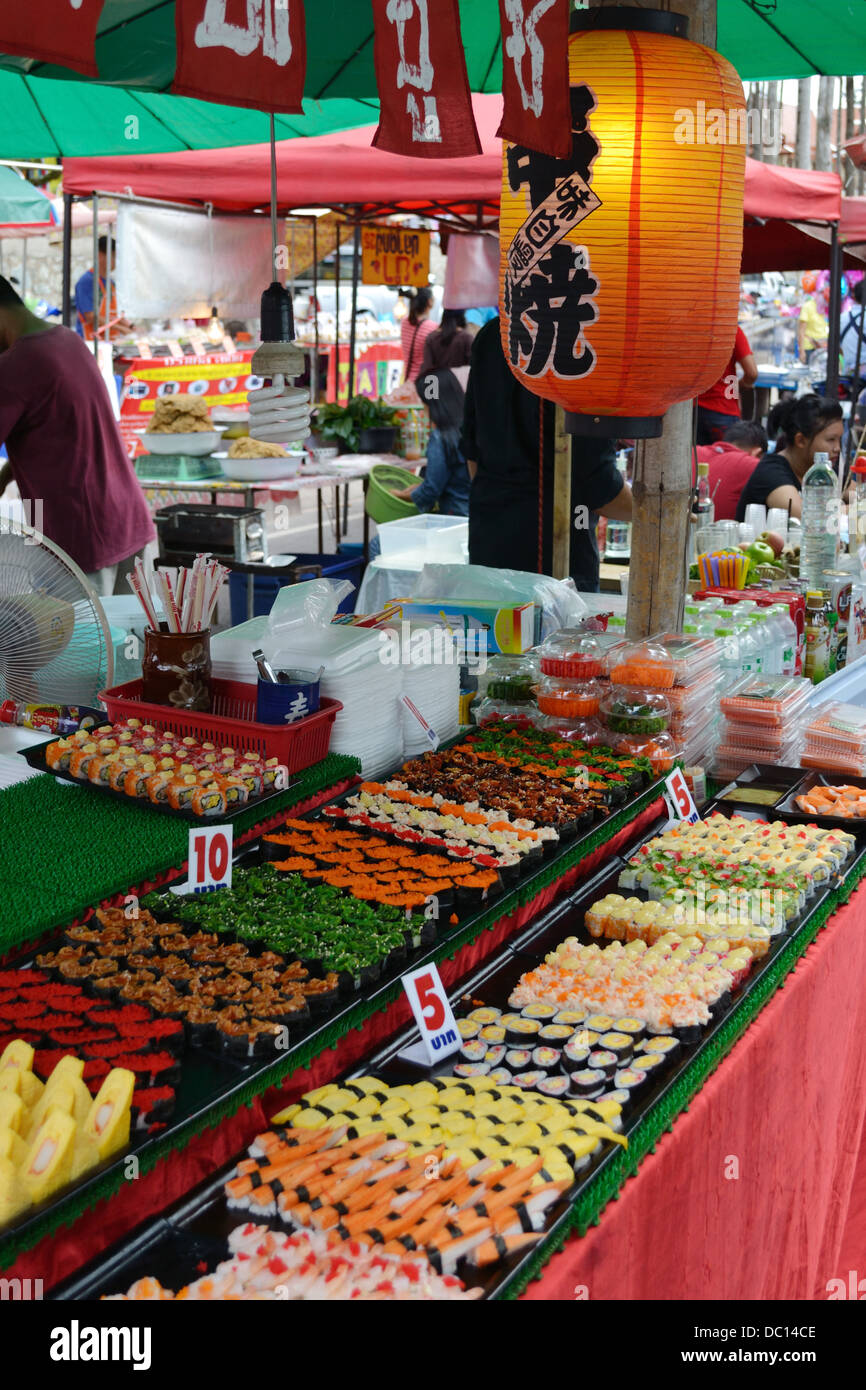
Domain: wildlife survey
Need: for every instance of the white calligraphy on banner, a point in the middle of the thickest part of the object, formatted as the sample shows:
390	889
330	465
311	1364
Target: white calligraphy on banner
267	24
522	39
425	124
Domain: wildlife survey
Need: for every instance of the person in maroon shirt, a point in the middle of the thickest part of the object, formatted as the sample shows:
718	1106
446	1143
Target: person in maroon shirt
65	449
732	462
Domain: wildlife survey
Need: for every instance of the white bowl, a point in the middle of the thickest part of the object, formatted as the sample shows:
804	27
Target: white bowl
195	444
260	470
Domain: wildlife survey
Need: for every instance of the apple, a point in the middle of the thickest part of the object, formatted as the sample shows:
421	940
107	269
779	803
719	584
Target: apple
773	539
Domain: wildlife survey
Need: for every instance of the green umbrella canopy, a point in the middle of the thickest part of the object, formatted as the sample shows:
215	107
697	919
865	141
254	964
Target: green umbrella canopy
135	45
22	205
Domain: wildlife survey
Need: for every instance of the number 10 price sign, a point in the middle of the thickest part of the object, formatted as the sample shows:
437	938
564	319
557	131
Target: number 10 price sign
210	859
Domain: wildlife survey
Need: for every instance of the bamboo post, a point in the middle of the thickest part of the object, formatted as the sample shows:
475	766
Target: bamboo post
561	565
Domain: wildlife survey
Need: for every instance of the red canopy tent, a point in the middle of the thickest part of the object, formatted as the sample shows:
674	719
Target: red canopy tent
852	227
856	150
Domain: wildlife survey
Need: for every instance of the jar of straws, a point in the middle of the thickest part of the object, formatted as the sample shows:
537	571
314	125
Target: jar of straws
176	669
724	569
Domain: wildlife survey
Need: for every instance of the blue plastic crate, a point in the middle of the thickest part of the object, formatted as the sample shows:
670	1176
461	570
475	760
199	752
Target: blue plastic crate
267	586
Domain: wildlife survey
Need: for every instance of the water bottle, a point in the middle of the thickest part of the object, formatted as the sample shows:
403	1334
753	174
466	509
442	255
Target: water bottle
729	661
748	645
819	538
787	630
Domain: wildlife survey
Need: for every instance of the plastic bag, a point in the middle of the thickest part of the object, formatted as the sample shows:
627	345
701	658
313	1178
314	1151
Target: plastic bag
312	602
558	600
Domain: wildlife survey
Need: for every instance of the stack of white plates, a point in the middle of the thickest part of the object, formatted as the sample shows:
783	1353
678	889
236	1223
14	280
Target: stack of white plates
369	725
435	692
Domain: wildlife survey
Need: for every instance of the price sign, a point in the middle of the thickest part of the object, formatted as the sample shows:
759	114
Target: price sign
679	799
210	859
428	730
436	1023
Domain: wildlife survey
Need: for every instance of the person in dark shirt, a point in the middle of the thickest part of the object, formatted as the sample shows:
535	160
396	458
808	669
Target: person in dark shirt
732	463
803	427
445	486
508	436
449	345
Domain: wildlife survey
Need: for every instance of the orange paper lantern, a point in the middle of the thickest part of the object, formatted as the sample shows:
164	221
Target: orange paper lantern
620	265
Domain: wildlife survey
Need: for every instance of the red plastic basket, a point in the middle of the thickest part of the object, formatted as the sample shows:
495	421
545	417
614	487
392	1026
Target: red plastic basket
232	721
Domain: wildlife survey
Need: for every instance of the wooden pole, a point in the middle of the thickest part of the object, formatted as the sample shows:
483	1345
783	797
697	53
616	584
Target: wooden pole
662	483
561	498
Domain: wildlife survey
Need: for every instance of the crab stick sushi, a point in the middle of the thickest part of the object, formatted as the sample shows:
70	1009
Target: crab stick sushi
80	760
208	801
235	790
157	785
181	791
58	754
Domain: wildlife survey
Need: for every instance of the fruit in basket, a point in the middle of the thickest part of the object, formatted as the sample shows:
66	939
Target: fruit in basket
774	540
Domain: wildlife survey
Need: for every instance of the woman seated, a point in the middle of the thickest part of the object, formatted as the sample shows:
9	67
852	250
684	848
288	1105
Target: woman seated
803	428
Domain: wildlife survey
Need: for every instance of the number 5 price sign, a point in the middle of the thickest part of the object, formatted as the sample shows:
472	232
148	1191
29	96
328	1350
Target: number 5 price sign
679	799
436	1023
210	859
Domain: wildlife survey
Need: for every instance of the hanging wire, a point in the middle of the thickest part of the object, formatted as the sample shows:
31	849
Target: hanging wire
273	199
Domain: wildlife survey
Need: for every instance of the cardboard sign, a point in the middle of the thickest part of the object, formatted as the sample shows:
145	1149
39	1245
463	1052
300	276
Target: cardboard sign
678	797
210	860
433	1014
395	256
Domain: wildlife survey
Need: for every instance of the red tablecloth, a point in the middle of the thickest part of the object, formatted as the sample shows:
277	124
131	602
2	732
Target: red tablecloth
59	1255
759	1191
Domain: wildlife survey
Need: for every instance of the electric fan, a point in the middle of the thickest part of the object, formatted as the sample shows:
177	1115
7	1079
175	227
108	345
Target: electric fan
55	643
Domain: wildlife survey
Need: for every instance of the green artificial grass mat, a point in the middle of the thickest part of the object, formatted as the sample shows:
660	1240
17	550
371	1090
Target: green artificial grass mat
64	849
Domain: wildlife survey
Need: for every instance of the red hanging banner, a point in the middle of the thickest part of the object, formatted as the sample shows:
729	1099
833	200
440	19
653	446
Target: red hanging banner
536	110
64	32
426	109
242	52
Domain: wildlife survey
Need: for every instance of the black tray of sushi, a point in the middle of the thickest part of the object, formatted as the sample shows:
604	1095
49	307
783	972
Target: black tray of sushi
35	757
762	787
810	788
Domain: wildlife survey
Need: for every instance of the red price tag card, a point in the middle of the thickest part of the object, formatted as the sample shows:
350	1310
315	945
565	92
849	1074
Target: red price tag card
680	802
210	859
436	1022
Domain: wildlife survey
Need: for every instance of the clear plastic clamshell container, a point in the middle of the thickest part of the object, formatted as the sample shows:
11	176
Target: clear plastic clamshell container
586	731
568	699
770	702
642	664
659	748
840	728
509	678
574	655
685	700
509	712
693	656
627	710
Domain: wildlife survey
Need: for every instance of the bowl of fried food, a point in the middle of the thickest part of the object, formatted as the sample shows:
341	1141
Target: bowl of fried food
257	461
181	425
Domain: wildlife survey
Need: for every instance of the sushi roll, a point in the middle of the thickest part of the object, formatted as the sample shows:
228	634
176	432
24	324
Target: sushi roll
604	1061
544	1013
574	1056
546	1059
518	1059
135	781
492	1033
251	775
157	786
600	1023
474	1050
629	1080
80	760
180	791
588	1083
208	801
529	1080
58	754
571	1018
485	1015
522	1030
271	773
555	1034
471	1069
118	772
621	1097
635	1027
234	789
495	1056
662	1047
500	1076
554	1086
619	1043
468	1028
647	1061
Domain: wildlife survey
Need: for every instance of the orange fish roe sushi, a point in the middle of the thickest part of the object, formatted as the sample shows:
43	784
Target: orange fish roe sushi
297	865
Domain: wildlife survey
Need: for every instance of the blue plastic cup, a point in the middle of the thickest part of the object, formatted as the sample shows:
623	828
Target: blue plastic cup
286	701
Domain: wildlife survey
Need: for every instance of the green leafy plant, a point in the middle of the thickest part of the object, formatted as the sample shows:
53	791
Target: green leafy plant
343	424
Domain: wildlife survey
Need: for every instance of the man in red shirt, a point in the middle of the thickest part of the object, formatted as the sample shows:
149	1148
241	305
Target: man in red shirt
732	462
65	450
721	404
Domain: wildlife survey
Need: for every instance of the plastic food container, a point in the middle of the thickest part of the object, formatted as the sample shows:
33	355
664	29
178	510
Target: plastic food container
642	664
734	758
510	712
692	656
508	678
685	699
659	748
630	711
572	654
840	728
586	731
756	737
568	700
767	701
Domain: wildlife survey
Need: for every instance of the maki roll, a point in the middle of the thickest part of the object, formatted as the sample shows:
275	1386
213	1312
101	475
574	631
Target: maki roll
485	1015
492	1033
234	789
208	801
495	1056
661	1047
501	1076
474	1050
251	775
58	754
604	1061
471	1069
554	1086
571	1018
647	1061
80	760
621	1097
629	1080
546	1059
619	1043
529	1080
556	1034
120	768
468	1028
518	1059
574	1058
543	1013
157	785
180	791
600	1023
587	1083
635	1027
135	781
522	1030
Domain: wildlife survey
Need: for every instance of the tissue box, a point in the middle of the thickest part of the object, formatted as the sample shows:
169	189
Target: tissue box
501	628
